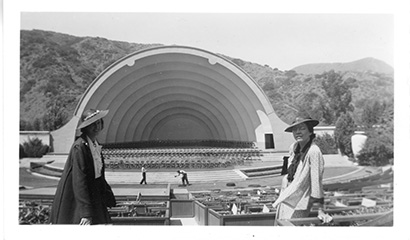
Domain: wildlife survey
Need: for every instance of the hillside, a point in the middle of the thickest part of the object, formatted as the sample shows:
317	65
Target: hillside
362	65
56	67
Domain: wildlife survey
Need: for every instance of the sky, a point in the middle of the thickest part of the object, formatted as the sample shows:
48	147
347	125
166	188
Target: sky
279	40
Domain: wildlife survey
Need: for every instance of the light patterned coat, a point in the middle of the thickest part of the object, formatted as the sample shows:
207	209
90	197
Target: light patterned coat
293	200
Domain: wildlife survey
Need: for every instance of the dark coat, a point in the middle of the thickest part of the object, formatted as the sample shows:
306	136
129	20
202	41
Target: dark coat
79	194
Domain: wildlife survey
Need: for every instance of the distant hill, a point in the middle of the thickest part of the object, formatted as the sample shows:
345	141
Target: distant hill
362	65
56	67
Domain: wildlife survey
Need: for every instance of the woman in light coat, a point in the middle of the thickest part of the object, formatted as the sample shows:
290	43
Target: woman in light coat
302	187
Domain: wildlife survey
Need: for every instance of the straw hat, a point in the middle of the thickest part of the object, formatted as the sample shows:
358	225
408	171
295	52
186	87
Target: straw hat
91	116
299	120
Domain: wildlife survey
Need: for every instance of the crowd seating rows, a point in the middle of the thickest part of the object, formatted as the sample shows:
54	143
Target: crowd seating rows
182	143
187	152
174	162
179	154
132	158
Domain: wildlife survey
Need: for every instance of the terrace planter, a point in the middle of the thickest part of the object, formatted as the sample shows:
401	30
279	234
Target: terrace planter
182	208
201	213
257	219
141	220
337	220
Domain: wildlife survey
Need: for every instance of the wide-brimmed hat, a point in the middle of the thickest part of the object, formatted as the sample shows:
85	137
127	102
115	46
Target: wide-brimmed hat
299	120
91	116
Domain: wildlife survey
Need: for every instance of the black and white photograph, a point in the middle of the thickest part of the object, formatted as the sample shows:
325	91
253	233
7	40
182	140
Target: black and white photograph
217	120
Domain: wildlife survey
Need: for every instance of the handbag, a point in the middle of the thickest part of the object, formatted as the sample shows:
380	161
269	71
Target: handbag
285	165
109	197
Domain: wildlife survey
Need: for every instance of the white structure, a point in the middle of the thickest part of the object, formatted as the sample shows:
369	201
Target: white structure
322	130
178	93
358	141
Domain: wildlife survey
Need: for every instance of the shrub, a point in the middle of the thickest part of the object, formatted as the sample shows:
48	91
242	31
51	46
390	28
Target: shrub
45	61
22	154
326	143
345	128
376	152
35	148
25	125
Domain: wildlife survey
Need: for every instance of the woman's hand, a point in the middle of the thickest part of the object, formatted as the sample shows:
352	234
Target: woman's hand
85	221
324	217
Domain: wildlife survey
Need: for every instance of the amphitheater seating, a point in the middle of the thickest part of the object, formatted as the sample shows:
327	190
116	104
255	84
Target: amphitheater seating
382	176
181	143
129	156
348	207
345	205
366	201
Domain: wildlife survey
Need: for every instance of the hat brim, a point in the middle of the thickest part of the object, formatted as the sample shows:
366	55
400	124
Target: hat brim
99	115
311	122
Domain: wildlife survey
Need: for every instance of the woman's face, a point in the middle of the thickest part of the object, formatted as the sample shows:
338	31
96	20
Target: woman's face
301	133
96	127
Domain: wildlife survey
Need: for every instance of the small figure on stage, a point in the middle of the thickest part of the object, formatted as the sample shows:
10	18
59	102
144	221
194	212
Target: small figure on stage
144	175
184	177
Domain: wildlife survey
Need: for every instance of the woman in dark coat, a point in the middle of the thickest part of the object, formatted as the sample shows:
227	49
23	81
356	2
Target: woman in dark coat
83	194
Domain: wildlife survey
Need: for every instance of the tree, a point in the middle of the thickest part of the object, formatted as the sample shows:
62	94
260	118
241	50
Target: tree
25	125
377	151
339	95
22	154
55	117
310	104
372	114
326	143
345	128
37	125
35	148
379	147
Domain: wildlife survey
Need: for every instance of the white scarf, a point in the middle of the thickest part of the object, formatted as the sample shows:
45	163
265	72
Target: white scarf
96	152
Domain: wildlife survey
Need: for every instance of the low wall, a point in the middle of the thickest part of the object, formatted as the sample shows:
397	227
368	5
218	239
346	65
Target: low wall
181	194
258	219
140	220
205	216
214	219
181	208
144	220
201	214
